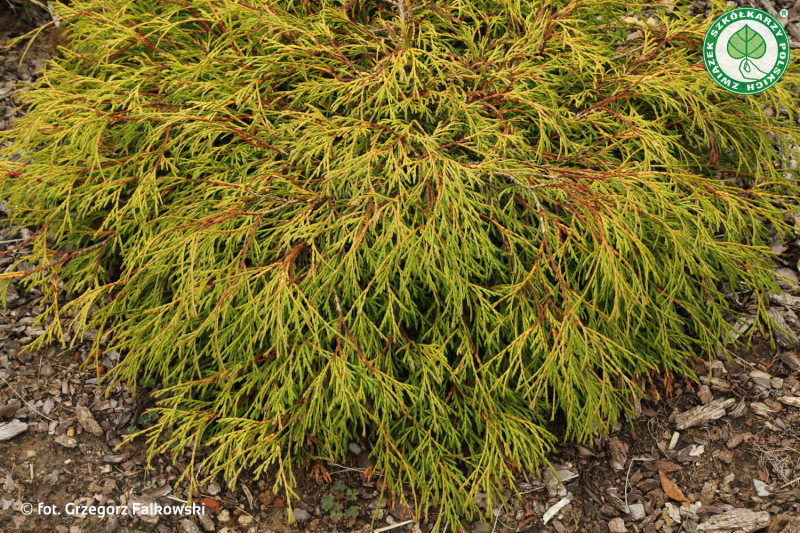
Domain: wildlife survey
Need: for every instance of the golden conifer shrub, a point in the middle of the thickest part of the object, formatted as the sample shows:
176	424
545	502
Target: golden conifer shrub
429	227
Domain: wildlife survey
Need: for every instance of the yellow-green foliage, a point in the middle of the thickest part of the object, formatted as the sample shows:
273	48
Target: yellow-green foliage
429	226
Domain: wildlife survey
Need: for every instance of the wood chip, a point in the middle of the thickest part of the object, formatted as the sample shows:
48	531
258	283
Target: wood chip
739	410
560	504
249	496
565	474
139	506
206	522
762	409
666	466
737	329
792	360
760	374
743	520
618	454
704	393
158	492
784	299
690	453
12	429
613	498
555	488
793	526
792	401
87	421
617	525
703	414
737	439
672	513
187	526
719	385
66	442
787	279
583	451
783	332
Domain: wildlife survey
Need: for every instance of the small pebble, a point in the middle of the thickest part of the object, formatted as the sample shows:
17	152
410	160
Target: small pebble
355	448
46	370
66	442
301	515
637	511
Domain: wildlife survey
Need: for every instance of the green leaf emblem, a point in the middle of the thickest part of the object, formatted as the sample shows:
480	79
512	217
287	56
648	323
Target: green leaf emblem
746	43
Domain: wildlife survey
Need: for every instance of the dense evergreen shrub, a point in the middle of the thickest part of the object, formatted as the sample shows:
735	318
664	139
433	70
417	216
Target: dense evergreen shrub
426	226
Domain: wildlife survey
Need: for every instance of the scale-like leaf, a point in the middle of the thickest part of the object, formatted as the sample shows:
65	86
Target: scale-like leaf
746	43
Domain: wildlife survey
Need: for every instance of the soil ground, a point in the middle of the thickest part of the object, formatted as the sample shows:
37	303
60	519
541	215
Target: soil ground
746	459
